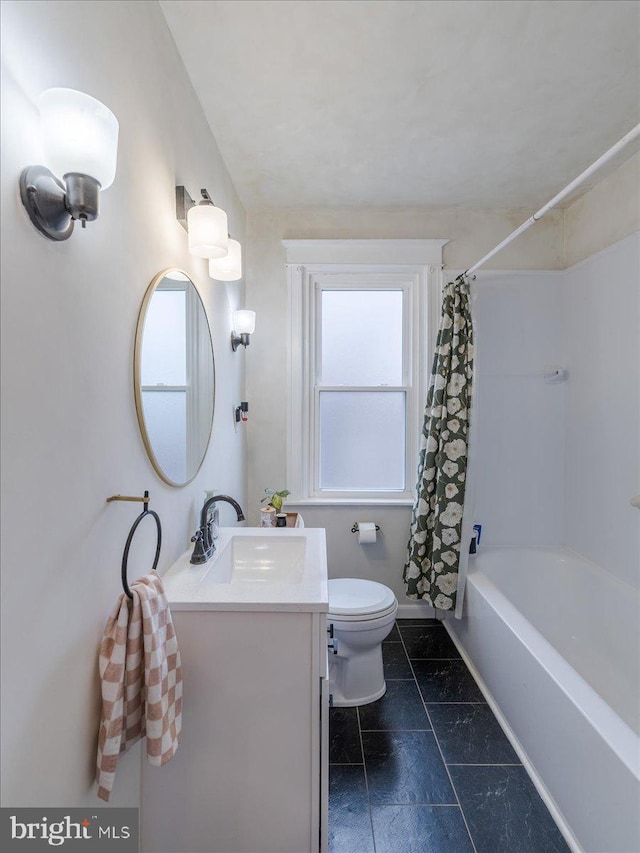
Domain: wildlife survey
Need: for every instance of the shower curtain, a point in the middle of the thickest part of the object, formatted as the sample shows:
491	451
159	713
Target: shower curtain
439	543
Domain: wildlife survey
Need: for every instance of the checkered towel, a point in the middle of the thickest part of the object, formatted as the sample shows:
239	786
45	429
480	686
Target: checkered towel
141	681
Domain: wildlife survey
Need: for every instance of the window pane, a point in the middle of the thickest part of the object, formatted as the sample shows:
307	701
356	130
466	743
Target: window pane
164	353
361	337
165	417
362	440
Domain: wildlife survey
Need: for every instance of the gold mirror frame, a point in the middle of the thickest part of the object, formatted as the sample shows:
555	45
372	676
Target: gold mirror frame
137	384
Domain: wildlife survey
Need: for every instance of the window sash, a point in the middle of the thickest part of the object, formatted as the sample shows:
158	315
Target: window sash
348	282
338	356
421	283
317	491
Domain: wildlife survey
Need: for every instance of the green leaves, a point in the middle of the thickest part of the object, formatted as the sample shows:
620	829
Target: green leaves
275	498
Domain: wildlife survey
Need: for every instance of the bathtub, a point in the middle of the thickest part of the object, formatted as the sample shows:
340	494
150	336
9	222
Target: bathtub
554	642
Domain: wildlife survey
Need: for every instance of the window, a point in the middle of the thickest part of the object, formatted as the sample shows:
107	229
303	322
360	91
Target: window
360	388
358	352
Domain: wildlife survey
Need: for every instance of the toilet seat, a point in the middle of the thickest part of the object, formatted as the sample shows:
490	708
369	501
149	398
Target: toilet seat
374	618
356	600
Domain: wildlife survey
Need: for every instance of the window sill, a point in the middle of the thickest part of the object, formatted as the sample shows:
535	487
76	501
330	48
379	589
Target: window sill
350	502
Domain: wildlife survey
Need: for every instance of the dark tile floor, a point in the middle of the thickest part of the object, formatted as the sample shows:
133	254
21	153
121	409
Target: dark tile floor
427	768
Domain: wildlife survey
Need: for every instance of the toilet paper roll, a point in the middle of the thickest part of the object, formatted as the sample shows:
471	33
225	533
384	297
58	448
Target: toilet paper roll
366	532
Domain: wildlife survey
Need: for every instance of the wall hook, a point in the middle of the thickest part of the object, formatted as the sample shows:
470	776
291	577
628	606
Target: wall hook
242	412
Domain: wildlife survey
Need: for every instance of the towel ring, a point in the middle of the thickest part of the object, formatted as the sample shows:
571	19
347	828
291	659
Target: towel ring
134	527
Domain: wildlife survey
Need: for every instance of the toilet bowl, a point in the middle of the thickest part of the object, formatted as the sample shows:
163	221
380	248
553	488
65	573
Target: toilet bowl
361	615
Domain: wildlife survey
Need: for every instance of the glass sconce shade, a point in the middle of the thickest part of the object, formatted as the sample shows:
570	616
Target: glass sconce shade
79	135
80	145
228	268
208	231
244	322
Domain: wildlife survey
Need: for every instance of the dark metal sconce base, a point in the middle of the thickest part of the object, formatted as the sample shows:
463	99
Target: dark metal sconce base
184	203
236	340
53	206
83	197
43	196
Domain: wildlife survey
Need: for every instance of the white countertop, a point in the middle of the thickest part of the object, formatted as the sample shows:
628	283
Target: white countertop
211	586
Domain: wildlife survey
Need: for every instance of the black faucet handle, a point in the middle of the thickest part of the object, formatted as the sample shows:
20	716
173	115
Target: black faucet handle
201	551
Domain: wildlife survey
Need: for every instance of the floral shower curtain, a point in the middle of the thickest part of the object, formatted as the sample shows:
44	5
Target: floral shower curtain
436	550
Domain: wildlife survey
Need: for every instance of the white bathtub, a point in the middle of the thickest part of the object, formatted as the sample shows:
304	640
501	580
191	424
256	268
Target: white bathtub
555	641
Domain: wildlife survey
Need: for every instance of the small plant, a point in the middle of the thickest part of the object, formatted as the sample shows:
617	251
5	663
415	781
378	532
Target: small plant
275	498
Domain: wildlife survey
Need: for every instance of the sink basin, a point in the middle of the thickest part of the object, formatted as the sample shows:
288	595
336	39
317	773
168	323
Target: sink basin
267	560
254	568
259	559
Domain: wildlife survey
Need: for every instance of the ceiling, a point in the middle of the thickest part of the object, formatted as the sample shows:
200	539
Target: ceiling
473	103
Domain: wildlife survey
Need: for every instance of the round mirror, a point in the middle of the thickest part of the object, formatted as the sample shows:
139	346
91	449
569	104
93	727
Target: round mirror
174	377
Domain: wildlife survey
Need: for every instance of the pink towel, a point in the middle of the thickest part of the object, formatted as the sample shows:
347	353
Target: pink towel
141	681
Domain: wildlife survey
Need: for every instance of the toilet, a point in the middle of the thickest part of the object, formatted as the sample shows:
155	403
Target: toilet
361	615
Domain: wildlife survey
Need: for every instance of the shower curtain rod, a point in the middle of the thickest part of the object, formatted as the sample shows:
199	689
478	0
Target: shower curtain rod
582	177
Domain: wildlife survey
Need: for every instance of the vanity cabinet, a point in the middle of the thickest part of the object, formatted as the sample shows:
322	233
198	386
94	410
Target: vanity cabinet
250	775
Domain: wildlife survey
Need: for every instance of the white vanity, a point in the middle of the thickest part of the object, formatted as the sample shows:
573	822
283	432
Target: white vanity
250	775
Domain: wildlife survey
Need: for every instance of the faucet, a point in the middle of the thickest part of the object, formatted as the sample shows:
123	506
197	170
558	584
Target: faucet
204	541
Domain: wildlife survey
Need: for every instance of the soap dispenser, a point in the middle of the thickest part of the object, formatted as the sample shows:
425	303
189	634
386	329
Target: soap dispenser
475	538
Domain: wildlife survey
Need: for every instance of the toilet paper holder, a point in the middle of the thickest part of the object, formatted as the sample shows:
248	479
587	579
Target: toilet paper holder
356	529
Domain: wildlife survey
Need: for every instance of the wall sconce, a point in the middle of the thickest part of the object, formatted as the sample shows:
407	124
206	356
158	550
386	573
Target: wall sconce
244	325
205	224
228	268
80	143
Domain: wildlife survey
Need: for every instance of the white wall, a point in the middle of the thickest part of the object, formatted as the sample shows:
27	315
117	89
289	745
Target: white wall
519	449
472	233
521	486
602	466
557	464
605	214
69	432
602	344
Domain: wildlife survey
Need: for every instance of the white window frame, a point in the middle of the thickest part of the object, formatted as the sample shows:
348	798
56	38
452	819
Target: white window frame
414	266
